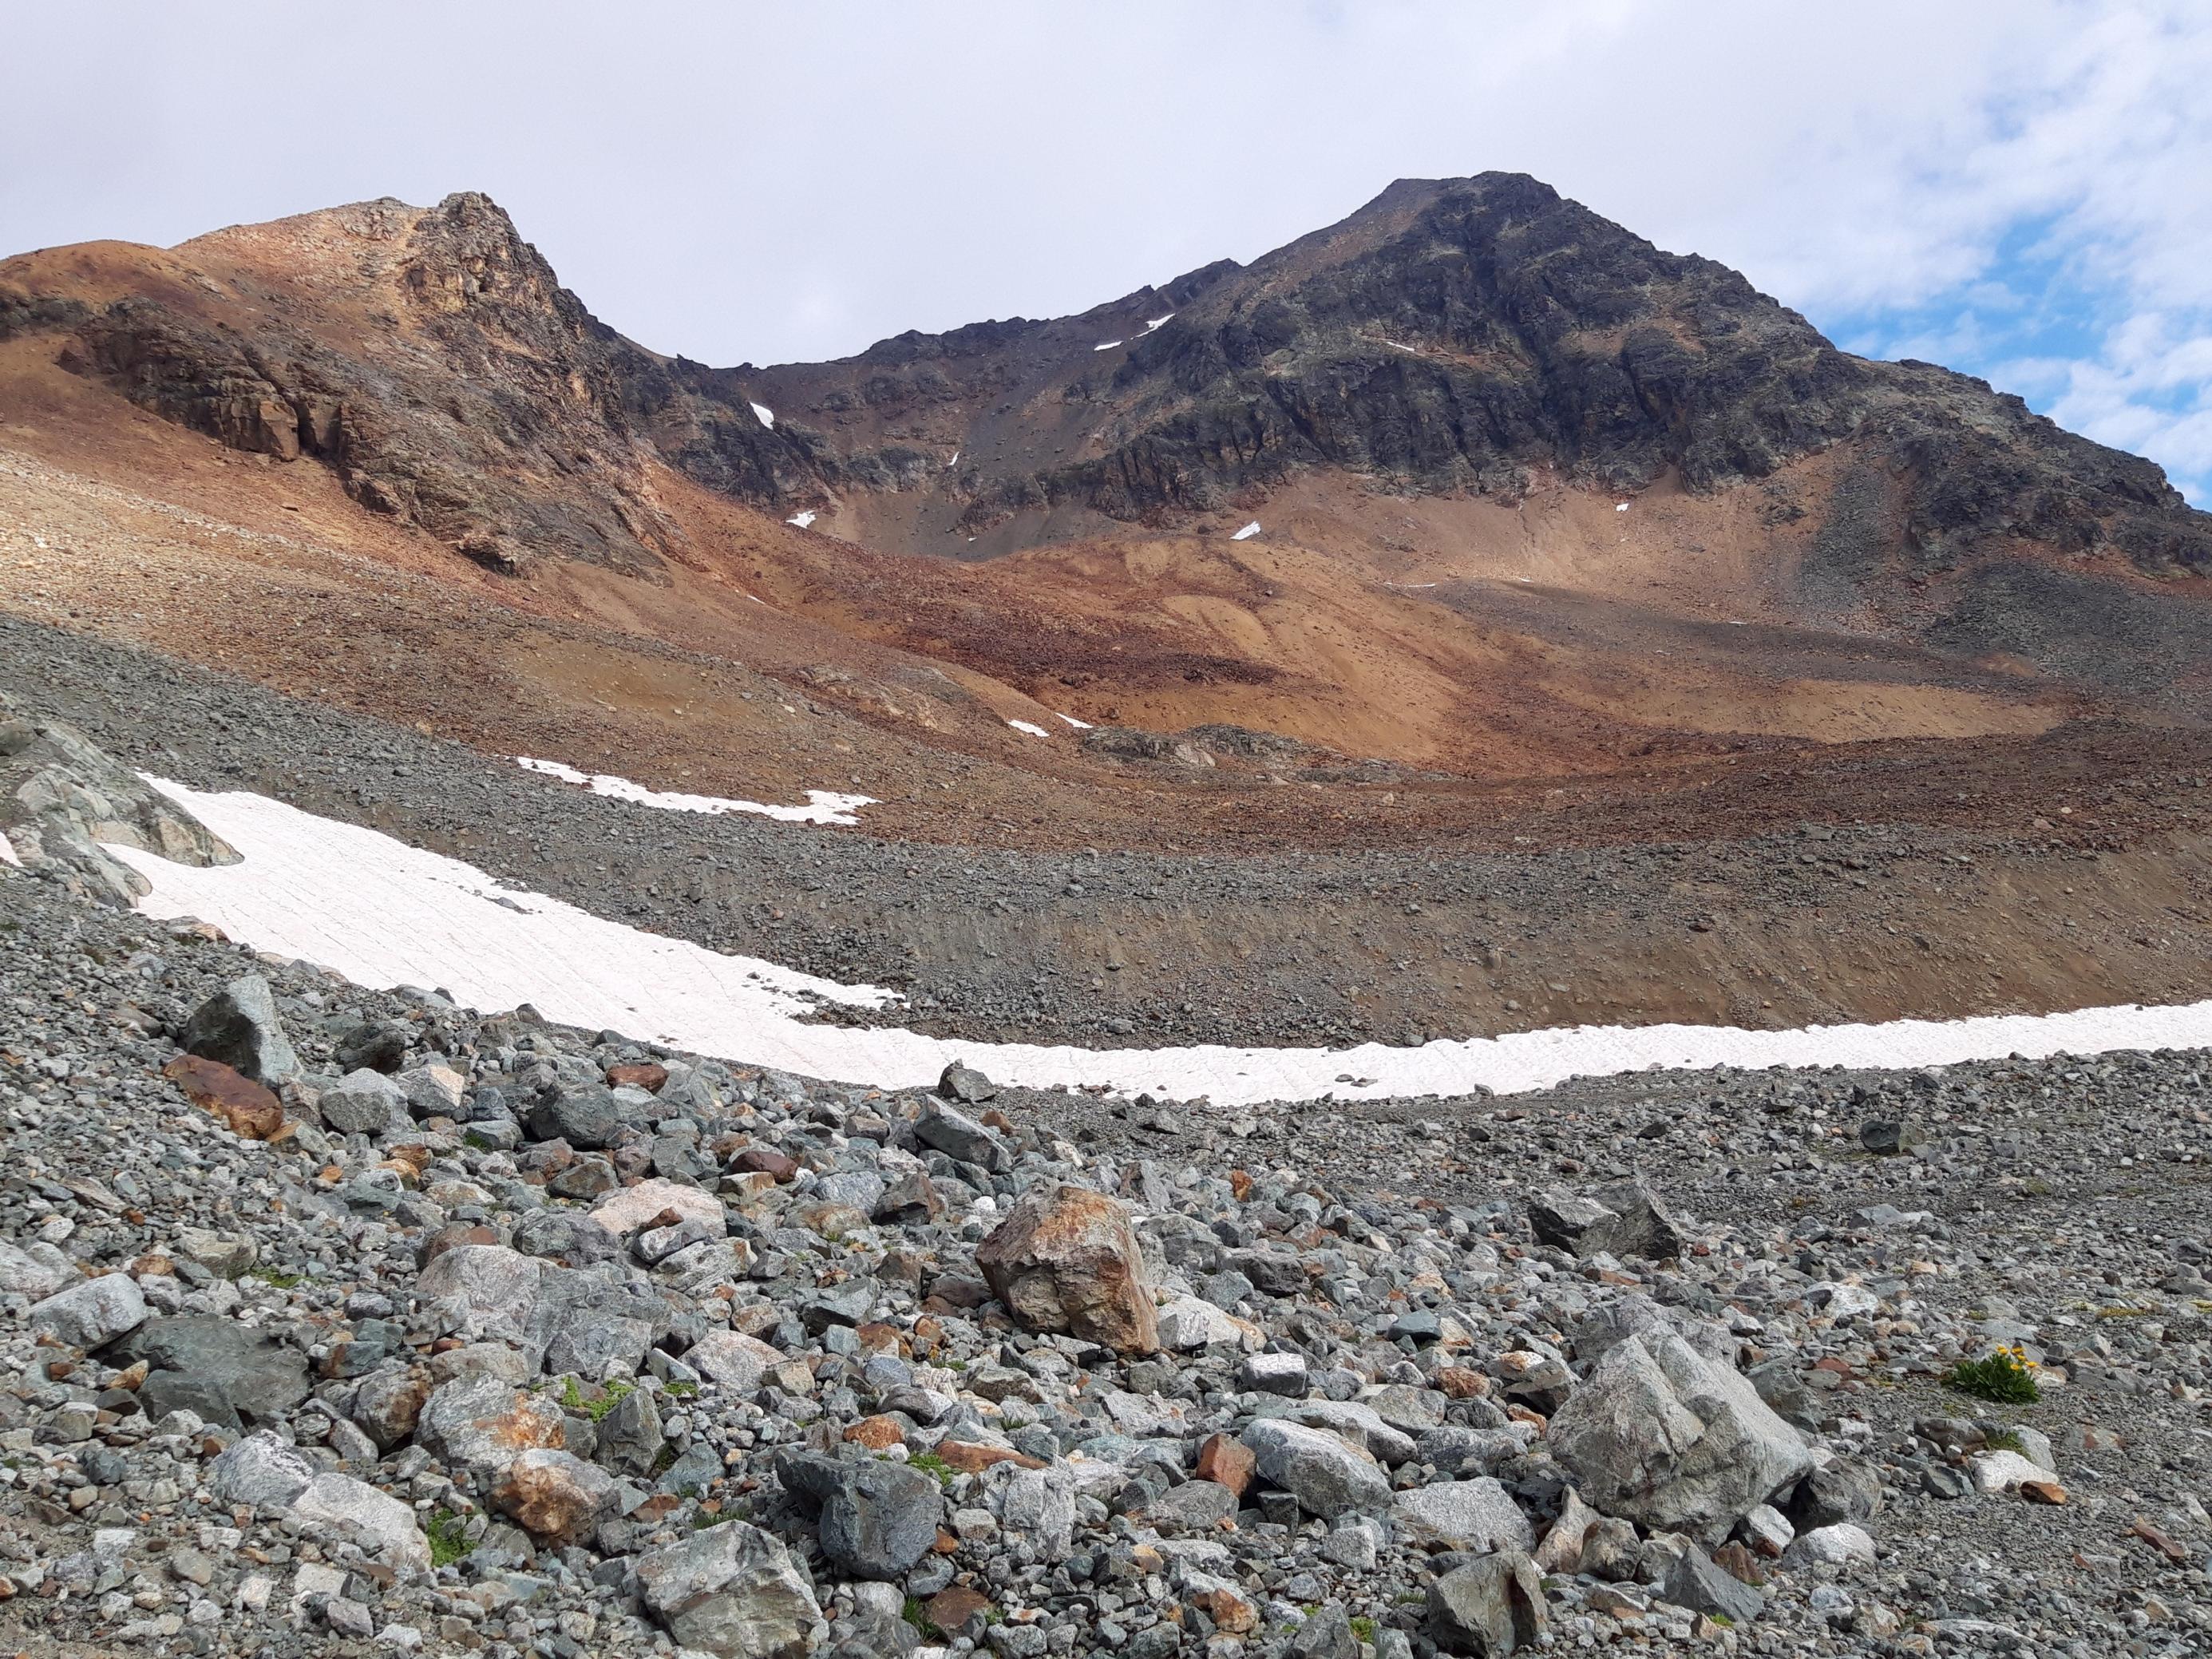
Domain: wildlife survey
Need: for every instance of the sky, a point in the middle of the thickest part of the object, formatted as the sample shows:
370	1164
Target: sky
2022	189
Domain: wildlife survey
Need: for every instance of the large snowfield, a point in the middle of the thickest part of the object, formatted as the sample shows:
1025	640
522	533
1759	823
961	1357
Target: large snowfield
382	912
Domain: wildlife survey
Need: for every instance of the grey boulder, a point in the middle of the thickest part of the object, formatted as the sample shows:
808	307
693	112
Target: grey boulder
732	1590
1327	1473
90	1312
1490	1606
1661	1436
875	1519
239	1026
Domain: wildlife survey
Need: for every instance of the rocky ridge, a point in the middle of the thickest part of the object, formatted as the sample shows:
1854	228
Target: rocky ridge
330	1316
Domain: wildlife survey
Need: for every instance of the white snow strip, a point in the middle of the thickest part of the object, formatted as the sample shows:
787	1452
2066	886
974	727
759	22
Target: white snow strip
1033	730
954	462
766	416
1105	345
7	851
1156	322
1081	726
1247	532
803	519
823	806
383	912
1621	506
1399	345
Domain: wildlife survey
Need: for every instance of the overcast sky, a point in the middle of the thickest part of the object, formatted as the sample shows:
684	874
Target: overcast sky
2019	188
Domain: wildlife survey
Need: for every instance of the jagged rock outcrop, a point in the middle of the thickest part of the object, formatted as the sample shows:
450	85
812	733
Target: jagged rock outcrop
61	797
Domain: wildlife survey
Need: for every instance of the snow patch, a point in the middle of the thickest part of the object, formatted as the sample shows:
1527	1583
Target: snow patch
1105	345
803	519
1398	345
1081	726
954	462
1620	507
8	854
1247	532
1033	730
766	416
823	806
1156	322
383	912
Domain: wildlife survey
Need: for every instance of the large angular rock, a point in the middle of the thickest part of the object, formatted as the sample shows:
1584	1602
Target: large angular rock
1699	1582
1487	1607
263	1470
494	1289
876	1519
364	1103
64	801
199	1360
1627	1220
36	1271
959	1136
384	1525
1066	1260
1462	1515
1327	1473
732	1590
239	1026
90	1312
553	1495
623	1211
733	1360
483	1424
1659	1435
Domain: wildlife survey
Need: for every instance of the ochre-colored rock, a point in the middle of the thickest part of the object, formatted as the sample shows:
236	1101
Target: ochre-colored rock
1227	1462
250	1109
1066	1260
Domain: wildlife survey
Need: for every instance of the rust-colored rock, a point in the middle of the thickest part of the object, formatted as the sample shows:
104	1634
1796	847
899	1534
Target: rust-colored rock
876	1433
765	1160
647	1075
964	1457
2043	1492
452	1235
251	1111
1227	1462
553	1495
1066	1260
954	1605
1458	1383
1231	1614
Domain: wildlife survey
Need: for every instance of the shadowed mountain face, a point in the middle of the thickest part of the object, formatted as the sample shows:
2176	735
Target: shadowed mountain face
1462	386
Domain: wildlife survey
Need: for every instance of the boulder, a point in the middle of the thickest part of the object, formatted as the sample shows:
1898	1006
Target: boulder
364	1103
553	1495
965	1084
1490	1606
1462	1515
1187	1323
239	1027
623	1211
199	1360
494	1289
960	1136
384	1525
90	1312
64	801
732	1360
1699	1582
262	1472
36	1270
875	1519
732	1590
1066	1260
1841	1545
1327	1473
1627	1220
481	1424
250	1109
376	1045
1661	1436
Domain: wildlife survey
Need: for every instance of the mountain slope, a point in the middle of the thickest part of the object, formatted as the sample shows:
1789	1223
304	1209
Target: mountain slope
1536	497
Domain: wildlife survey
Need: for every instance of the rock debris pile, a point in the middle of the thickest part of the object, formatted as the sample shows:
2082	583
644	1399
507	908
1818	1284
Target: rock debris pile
334	1320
